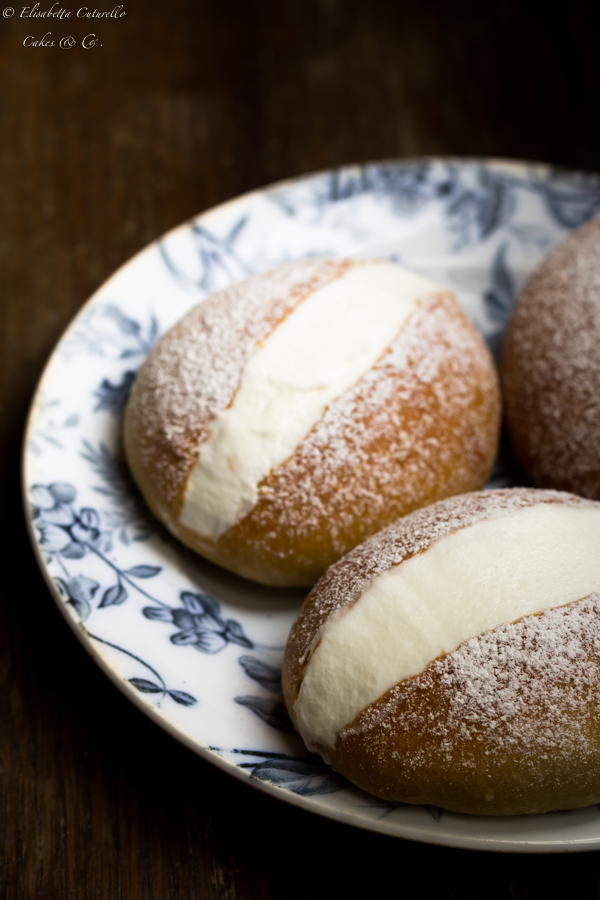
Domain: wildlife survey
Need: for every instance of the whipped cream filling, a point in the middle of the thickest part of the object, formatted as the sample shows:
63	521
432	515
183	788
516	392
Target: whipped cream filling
491	573
331	339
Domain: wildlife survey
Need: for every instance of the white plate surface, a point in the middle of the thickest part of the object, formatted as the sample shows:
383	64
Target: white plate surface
195	648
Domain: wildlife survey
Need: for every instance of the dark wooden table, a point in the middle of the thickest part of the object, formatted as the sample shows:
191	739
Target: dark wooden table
179	106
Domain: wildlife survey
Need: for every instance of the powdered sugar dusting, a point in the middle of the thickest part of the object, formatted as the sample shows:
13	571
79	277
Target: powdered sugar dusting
420	424
551	367
524	695
195	369
347	580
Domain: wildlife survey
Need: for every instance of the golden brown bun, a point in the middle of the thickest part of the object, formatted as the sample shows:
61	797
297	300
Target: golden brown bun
551	368
421	425
507	724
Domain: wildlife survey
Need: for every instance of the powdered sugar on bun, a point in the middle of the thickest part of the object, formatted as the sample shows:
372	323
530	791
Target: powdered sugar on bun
505	725
478	578
506	721
551	367
418	426
412	419
195	369
345	581
322	348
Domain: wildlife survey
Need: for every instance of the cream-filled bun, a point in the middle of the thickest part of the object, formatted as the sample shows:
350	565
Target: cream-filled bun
288	417
453	659
551	368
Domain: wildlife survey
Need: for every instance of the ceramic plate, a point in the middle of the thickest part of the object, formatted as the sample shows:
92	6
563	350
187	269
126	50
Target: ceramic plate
195	648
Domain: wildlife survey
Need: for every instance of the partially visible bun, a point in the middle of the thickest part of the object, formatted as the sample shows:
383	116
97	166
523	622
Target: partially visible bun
453	659
551	368
410	414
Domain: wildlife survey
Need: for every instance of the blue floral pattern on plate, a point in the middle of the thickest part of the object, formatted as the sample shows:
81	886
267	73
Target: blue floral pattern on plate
198	649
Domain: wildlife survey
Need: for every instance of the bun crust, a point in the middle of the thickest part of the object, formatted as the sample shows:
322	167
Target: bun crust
420	425
194	371
506	724
509	724
551	368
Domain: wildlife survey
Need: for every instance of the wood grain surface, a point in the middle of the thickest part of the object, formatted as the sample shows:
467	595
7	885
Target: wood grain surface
179	106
